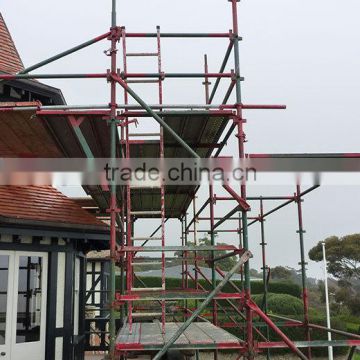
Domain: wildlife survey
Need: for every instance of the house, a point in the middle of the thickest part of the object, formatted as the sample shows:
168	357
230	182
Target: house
44	237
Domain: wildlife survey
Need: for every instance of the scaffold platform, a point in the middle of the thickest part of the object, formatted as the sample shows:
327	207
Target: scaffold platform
199	335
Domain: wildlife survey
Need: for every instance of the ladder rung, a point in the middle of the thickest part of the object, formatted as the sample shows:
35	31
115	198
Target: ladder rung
146	212
146	263
145	238
142	54
147	289
144	134
141	315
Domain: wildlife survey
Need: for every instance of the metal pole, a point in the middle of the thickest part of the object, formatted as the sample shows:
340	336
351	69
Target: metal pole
212	238
264	267
222	68
113	200
105	107
175	75
53	76
351	353
328	322
64	53
113	14
197	355
186	263
206	82
303	263
195	244
318	327
241	140
162	187
244	258
179	35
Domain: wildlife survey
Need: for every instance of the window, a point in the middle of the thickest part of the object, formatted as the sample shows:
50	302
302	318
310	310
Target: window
29	299
4	274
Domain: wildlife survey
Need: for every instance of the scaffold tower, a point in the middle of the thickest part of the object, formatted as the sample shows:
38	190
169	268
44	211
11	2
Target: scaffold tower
195	317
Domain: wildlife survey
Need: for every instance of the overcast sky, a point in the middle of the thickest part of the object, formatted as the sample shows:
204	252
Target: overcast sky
304	54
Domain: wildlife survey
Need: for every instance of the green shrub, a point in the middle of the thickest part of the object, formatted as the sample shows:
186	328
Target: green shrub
281	304
298	334
353	327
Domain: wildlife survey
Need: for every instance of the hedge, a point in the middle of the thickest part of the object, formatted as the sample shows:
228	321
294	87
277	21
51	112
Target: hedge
276	287
298	333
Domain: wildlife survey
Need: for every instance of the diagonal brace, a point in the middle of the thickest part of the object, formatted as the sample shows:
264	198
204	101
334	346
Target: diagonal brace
65	53
272	326
243	204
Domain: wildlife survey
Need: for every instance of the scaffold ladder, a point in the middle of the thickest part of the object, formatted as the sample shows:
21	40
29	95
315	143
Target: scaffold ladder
131	259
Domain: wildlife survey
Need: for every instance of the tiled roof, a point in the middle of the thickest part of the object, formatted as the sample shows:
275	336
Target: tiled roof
43	204
10	61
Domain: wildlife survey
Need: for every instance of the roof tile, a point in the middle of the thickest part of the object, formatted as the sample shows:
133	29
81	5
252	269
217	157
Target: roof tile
10	61
43	203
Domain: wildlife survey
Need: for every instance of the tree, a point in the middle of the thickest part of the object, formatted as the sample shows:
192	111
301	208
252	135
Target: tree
254	273
342	254
224	264
281	273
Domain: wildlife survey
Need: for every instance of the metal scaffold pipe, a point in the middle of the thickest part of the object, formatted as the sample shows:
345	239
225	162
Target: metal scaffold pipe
64	53
179	35
113	199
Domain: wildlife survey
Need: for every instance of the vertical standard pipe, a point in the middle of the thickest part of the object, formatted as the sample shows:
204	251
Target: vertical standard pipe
351	353
301	232
113	14
182	262
241	140
206	83
196	275
195	244
212	235
113	205
328	322
213	271
162	188
129	255
264	267
185	254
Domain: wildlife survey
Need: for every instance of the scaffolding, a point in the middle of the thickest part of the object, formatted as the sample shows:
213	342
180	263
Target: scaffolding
197	330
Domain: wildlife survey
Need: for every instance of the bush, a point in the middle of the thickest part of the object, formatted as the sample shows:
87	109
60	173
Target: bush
281	304
298	334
